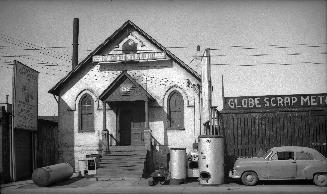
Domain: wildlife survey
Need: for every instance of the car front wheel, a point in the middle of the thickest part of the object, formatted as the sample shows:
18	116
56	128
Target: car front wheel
320	180
249	178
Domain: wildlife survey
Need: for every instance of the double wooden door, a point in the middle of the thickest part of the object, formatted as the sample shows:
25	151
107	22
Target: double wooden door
131	124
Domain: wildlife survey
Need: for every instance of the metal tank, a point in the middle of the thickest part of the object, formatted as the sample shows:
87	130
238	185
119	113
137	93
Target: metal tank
177	165
211	159
51	174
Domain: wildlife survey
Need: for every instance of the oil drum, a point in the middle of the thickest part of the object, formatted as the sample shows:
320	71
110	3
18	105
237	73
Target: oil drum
51	174
211	159
177	165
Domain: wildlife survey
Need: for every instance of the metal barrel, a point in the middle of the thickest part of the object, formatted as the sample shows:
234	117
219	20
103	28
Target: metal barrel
51	174
211	159
177	165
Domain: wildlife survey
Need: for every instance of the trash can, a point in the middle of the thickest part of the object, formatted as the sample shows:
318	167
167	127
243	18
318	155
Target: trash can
177	165
211	159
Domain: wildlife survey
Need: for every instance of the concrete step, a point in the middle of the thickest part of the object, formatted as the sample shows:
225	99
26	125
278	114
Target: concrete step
117	172
126	148
122	162
134	165
136	158
110	157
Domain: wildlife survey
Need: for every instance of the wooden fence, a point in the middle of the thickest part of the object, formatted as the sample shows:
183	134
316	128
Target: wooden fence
47	136
247	134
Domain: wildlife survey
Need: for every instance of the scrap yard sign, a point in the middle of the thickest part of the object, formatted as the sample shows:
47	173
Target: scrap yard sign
25	97
276	101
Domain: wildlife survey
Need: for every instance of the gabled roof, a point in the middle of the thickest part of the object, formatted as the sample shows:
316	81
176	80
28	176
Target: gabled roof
126	25
113	86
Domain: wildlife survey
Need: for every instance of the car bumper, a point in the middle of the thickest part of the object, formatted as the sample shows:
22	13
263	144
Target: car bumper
234	174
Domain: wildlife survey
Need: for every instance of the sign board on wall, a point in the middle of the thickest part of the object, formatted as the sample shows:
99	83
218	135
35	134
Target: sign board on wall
25	97
275	101
130	57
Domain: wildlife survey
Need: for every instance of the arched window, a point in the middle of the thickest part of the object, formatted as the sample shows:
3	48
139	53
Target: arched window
176	110
86	114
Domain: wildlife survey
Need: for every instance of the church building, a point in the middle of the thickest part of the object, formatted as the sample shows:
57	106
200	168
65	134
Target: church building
129	92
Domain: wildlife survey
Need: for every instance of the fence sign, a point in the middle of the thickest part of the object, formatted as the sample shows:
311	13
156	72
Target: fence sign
25	97
276	101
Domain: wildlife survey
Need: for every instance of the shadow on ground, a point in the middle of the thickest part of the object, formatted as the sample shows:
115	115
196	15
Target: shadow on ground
73	182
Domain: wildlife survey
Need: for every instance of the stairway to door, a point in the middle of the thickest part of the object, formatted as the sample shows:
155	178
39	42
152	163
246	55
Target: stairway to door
122	162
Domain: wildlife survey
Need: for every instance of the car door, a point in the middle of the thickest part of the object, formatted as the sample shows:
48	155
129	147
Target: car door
303	159
282	165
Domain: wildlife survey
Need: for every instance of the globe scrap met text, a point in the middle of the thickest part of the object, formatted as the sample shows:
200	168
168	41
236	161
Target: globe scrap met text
282	101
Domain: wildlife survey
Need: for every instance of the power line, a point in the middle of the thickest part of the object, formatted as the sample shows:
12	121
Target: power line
34	47
30	57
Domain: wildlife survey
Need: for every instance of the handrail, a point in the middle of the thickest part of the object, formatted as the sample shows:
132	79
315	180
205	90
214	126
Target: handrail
117	142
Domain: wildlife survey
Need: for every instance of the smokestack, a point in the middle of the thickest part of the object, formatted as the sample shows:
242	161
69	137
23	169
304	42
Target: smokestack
75	42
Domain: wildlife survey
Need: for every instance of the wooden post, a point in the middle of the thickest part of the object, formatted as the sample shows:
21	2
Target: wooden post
104	127
146	114
105	132
147	130
12	133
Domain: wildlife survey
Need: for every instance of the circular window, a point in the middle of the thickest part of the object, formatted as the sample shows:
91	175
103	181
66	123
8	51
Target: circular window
129	47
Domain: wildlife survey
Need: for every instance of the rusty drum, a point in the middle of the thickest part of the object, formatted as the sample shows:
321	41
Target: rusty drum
211	159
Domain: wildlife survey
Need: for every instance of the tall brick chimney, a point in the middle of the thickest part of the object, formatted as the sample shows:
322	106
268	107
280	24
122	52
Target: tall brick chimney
75	42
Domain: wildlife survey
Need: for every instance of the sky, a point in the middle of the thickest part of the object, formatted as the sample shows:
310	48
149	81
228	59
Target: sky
267	47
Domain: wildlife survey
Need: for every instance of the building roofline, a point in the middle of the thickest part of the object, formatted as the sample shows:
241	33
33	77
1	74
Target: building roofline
116	81
55	90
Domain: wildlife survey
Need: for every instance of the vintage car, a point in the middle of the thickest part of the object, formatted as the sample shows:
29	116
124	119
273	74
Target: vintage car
282	163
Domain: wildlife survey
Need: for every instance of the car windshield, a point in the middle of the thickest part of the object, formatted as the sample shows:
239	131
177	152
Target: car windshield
265	156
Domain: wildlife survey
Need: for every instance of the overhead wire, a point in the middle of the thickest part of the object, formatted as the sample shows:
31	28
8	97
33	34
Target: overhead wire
51	53
34	47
